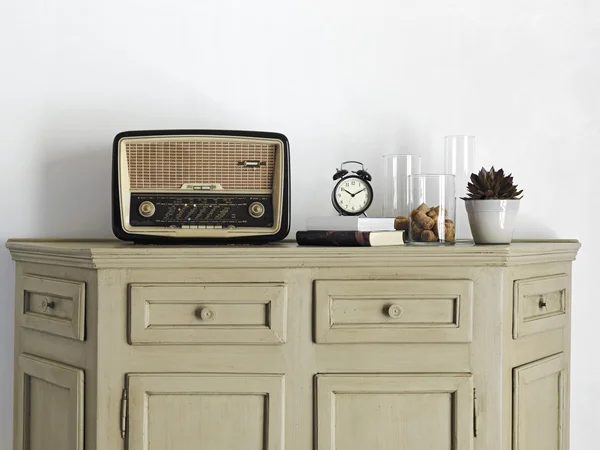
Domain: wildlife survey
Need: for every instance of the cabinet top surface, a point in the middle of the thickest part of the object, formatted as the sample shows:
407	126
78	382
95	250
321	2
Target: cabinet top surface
112	253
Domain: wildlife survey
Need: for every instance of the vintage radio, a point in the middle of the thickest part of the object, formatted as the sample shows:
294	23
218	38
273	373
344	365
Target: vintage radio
200	186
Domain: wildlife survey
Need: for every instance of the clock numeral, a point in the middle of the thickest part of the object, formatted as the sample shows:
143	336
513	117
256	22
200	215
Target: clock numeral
353	183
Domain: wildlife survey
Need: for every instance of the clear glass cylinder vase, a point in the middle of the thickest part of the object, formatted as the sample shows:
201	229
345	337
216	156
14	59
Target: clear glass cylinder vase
396	192
459	160
433	208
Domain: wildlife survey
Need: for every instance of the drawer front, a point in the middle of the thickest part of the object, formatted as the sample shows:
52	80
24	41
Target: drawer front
540	304
393	311
207	313
54	306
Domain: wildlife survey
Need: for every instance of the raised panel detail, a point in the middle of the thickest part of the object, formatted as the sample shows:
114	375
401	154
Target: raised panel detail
233	313
540	304
392	412
539	405
391	311
54	306
209	412
50	412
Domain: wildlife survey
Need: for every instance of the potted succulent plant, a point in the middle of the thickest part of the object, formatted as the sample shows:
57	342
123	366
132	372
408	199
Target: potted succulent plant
492	204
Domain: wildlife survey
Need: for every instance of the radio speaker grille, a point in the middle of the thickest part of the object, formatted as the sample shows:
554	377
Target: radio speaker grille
170	164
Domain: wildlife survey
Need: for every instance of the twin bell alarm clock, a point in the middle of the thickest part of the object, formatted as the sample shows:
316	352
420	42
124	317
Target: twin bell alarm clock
352	195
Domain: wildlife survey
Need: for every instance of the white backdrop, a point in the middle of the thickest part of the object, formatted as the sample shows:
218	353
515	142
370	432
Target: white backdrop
342	79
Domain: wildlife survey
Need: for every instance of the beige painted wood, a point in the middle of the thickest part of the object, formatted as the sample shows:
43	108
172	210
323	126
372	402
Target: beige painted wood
113	364
50	411
392	411
172	313
540	304
388	311
54	306
539	405
534	347
114	254
209	412
59	349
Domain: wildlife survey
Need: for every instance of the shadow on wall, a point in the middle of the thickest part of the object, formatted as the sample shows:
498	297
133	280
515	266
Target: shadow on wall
76	201
77	155
531	227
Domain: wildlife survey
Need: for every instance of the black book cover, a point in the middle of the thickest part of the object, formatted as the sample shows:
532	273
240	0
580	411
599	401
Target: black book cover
334	238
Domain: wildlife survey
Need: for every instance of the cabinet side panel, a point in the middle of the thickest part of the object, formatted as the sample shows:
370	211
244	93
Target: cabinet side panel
38	342
524	350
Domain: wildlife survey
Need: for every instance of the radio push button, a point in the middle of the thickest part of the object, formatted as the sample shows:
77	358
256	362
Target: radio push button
256	210
147	209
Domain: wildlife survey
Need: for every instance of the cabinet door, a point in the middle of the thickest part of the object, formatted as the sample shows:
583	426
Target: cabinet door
394	412
539	405
205	411
49	405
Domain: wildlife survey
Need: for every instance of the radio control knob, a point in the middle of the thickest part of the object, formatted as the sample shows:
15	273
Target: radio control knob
256	210
147	209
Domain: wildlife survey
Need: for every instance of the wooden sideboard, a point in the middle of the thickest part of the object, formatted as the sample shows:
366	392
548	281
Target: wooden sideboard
273	347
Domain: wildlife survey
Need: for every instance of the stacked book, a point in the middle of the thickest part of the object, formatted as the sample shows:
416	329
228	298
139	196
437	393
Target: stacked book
350	231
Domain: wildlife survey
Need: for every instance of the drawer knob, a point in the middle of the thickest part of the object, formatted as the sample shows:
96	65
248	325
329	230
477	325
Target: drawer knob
207	314
47	304
395	311
542	304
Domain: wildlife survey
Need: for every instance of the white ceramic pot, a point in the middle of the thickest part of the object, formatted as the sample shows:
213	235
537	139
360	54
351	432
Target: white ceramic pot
492	221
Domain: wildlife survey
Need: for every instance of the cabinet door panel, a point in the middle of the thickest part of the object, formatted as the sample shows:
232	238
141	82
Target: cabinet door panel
539	408
394	412
50	406
211	412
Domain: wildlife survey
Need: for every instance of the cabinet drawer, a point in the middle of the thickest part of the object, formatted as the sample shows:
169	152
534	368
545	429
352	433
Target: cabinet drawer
54	306
207	313
540	304
393	311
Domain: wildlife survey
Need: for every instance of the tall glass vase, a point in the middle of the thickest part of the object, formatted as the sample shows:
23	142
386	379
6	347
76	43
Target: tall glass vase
459	160
396	192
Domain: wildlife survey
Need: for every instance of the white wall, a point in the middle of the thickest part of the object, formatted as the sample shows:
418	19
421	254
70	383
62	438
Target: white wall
342	79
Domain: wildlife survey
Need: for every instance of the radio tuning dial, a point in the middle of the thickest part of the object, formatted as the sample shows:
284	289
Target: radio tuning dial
147	209
257	210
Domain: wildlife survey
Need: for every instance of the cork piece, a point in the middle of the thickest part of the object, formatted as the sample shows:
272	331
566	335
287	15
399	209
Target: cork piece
416	231
422	219
428	236
434	212
450	231
423	208
402	223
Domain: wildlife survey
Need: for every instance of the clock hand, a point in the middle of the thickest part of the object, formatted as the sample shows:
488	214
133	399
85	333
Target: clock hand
358	192
347	192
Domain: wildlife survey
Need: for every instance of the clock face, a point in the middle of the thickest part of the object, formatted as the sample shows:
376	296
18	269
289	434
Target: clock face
352	196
